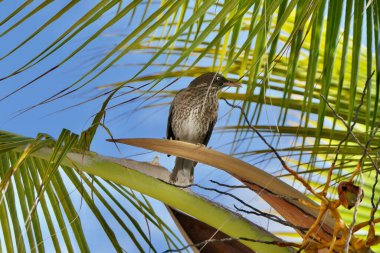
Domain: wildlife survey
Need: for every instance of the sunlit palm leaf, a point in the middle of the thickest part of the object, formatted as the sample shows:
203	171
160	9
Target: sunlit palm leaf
75	166
36	193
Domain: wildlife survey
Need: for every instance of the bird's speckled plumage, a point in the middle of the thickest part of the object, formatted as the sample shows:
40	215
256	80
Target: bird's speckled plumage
193	114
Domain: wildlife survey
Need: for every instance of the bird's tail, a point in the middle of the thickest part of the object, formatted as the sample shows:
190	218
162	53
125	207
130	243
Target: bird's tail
183	172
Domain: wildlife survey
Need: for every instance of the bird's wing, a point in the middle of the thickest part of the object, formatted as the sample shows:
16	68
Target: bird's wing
209	131
169	130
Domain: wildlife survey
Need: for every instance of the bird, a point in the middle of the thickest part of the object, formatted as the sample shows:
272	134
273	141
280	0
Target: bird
192	117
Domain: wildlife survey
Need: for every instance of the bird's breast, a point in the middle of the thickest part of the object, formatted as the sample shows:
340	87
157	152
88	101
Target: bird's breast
191	127
191	121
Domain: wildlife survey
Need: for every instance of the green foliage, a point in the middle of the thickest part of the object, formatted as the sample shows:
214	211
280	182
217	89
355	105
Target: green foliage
287	53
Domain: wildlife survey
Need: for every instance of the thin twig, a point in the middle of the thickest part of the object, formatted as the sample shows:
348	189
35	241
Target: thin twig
375	206
278	220
284	165
366	223
230	186
349	130
352	225
351	228
255	211
352	134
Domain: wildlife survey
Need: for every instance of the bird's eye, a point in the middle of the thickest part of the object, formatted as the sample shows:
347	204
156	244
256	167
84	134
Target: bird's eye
218	78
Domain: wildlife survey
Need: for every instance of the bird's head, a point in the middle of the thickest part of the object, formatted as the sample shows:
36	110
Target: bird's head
214	80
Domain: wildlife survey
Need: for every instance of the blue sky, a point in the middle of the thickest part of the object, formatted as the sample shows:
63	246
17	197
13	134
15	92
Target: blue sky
45	118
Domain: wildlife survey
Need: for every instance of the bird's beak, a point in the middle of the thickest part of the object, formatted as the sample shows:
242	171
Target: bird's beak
231	84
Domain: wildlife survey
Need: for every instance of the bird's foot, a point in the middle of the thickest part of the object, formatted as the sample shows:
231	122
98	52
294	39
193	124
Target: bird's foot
201	145
182	181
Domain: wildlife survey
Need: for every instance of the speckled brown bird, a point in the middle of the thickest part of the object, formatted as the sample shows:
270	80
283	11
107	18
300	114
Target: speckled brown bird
192	117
